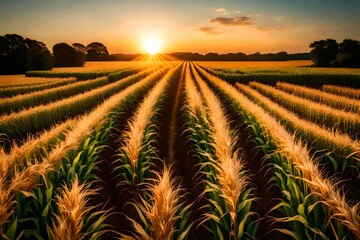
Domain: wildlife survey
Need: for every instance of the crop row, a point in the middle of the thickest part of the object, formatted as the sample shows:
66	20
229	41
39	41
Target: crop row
20	102
13	91
345	122
331	100
273	76
17	126
342	91
47	183
339	150
64	169
230	200
311	205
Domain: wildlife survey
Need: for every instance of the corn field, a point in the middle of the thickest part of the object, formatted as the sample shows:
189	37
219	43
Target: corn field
180	150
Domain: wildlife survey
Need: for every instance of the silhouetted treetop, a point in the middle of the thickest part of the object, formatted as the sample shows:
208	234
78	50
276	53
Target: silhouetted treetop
96	51
68	56
324	51
18	55
330	53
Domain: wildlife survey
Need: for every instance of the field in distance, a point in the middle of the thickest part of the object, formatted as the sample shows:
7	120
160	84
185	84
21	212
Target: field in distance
181	150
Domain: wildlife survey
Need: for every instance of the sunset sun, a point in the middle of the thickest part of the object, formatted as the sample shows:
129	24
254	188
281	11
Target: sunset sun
152	44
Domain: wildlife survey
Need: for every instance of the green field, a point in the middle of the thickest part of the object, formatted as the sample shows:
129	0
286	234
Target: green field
181	150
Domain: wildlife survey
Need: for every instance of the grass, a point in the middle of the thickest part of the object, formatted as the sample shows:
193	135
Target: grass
73	157
230	200
20	102
137	153
340	151
73	207
314	77
342	91
345	122
294	164
17	126
48	175
7	81
18	90
331	100
162	214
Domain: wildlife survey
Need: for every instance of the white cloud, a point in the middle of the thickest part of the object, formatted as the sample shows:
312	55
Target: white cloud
222	11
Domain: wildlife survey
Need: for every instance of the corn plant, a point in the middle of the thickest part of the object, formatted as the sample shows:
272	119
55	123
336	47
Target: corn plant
162	213
345	122
230	202
17	126
339	150
342	91
312	207
137	151
331	100
14	91
72	221
73	157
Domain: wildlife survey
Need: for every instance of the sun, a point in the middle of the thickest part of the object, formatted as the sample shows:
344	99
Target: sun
152	44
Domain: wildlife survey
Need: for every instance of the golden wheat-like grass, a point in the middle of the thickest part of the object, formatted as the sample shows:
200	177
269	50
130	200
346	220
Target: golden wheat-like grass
20	102
331	100
71	201
193	98
342	91
19	155
299	155
21	182
160	210
24	180
336	139
317	112
134	135
228	164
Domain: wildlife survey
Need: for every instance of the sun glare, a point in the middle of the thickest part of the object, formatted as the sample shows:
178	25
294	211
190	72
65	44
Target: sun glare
152	45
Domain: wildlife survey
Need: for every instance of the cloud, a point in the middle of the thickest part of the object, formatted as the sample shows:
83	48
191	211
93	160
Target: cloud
222	11
237	11
235	21
211	31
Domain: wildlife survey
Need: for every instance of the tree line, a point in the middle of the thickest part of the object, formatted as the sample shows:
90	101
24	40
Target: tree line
18	54
328	52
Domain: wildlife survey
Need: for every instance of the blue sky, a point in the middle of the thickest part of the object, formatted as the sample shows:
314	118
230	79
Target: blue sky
198	26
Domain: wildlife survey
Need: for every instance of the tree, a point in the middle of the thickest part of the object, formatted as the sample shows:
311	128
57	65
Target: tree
80	53
324	52
18	55
96	51
68	56
349	53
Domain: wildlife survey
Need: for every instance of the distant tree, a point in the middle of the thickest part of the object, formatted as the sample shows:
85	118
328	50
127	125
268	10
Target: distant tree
18	55
96	51
80	53
281	56
349	53
80	47
67	56
254	57
324	52
211	56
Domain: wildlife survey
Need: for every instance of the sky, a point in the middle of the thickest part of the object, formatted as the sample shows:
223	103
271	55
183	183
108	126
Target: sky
201	26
